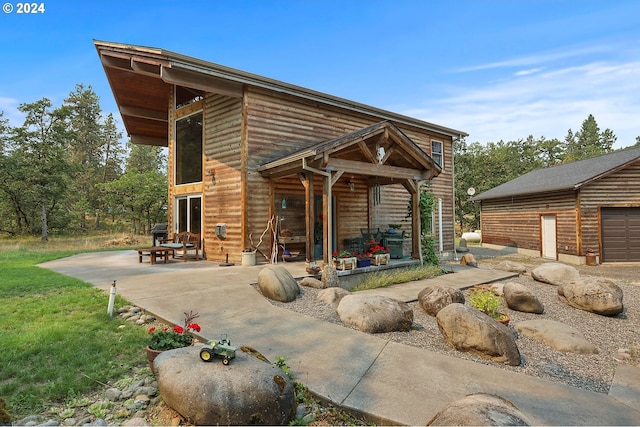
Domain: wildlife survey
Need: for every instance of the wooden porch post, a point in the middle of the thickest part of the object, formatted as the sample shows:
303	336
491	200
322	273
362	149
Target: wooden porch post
413	188
327	224
307	182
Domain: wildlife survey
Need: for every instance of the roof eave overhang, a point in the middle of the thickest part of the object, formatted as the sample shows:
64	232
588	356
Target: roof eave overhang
180	69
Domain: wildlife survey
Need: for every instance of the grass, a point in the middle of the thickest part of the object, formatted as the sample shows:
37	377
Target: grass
57	340
394	277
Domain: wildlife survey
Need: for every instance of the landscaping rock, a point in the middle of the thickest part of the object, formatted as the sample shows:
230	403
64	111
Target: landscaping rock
469	330
330	276
468	259
556	335
332	295
312	282
480	410
277	283
511	266
434	298
375	313
554	273
594	294
520	298
248	391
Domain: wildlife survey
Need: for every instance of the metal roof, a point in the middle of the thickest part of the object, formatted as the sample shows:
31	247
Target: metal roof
569	176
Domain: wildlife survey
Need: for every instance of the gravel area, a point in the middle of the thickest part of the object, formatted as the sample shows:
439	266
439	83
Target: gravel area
615	337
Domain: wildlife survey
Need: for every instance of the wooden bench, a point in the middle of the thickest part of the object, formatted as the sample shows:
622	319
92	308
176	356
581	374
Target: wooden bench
185	242
154	253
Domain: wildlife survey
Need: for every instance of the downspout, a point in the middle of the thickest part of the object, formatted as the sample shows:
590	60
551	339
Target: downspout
327	175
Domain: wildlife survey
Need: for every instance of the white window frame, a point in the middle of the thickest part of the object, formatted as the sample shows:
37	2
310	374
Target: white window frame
437	156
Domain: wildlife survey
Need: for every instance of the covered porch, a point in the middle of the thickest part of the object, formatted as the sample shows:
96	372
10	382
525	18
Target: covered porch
331	193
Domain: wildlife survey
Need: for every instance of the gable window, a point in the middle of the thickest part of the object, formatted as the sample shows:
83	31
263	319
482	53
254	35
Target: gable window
188	161
436	152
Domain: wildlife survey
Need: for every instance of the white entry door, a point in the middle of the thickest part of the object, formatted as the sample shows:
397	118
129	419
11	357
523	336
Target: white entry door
549	244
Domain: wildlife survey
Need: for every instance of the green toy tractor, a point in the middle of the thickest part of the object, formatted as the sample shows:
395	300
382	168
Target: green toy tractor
221	348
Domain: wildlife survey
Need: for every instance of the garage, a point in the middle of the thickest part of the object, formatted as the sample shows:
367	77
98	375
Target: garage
620	231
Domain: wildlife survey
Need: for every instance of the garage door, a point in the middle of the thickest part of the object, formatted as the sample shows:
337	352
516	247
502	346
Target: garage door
620	234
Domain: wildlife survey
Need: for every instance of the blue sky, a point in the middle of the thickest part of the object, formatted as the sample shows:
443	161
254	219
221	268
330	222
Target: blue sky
499	70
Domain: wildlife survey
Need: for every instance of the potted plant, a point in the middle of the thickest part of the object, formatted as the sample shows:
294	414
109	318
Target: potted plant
248	256
485	300
163	339
313	268
345	260
393	228
364	260
380	255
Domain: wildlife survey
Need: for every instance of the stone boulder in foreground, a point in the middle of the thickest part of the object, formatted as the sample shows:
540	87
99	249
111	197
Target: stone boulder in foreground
247	391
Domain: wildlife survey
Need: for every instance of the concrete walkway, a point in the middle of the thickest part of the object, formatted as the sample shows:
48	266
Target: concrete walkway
389	382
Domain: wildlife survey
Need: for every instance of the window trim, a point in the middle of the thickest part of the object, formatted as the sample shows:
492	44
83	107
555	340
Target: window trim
175	150
440	154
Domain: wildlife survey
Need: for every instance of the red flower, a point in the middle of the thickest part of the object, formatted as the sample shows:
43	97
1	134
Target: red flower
151	330
335	253
194	326
178	329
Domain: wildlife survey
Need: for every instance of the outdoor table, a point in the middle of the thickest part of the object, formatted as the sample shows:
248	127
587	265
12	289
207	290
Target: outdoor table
155	252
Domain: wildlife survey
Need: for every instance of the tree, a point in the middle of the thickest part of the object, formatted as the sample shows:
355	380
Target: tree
41	169
588	141
144	158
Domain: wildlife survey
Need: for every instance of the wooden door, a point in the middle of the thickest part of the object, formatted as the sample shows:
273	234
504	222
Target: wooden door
549	241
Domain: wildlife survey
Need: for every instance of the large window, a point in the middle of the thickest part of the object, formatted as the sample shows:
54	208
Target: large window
436	152
188	160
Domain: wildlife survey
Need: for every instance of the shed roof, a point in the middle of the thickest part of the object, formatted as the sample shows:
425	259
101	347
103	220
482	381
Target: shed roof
570	176
141	79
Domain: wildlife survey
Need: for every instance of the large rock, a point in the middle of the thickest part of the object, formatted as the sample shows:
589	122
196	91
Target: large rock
312	282
375	313
480	410
511	266
556	335
595	294
332	295
248	391
469	330
330	276
520	298
554	273
434	298
278	284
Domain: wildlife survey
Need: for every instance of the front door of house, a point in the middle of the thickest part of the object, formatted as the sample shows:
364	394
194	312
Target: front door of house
188	213
549	243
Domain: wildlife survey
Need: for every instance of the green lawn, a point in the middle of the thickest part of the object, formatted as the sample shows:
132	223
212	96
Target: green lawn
56	339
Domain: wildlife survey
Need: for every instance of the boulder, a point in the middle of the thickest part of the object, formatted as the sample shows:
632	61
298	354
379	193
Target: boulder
278	284
480	409
556	335
433	298
554	273
520	298
332	295
312	282
462	246
469	330
511	266
330	276
248	391
594	294
468	259
375	313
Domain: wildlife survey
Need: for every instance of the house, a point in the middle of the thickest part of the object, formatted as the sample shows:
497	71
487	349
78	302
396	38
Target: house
246	150
562	212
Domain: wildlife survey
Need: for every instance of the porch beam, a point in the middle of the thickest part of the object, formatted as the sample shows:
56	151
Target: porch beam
367	153
361	168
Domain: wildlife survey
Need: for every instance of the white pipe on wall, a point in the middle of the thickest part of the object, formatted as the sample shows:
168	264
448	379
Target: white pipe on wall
440	246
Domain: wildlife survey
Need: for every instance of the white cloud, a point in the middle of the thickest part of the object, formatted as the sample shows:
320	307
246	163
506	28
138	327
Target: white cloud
544	104
10	108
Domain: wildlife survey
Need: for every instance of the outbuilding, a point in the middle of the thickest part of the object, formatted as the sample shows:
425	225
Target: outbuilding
565	212
245	151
